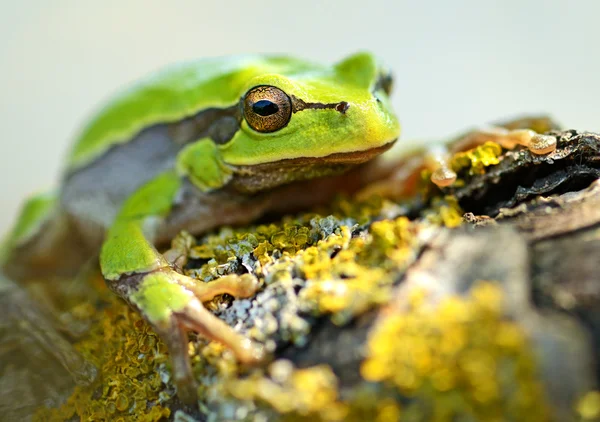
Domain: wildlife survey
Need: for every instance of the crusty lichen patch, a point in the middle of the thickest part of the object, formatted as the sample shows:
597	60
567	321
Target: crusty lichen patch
458	359
339	265
311	267
444	211
132	363
301	393
474	161
588	407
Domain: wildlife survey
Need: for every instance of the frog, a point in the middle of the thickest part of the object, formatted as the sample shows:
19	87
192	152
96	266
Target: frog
190	148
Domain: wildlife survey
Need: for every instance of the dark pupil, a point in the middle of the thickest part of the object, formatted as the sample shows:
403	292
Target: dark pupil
265	108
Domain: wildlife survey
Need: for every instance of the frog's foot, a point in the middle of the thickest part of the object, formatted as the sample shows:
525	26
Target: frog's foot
438	160
172	303
536	143
180	248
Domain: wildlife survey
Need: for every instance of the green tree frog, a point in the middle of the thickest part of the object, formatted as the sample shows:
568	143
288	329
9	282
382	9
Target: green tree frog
200	145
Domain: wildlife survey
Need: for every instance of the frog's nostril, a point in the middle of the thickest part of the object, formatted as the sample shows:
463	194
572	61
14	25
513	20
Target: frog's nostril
342	107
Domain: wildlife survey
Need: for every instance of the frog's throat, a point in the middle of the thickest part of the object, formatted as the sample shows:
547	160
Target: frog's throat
259	177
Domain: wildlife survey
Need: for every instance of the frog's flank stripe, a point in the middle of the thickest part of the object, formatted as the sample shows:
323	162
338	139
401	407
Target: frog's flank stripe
218	124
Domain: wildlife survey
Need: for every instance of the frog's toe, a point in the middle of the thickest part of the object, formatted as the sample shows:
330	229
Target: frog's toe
437	160
237	286
245	286
177	255
443	176
197	318
251	353
542	144
174	335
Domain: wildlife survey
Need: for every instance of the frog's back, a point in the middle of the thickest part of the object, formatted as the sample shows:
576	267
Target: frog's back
172	94
133	138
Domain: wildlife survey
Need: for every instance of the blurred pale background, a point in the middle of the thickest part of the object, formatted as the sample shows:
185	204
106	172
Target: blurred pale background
457	63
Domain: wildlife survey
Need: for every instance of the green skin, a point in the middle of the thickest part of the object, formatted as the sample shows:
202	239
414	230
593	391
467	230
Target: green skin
341	117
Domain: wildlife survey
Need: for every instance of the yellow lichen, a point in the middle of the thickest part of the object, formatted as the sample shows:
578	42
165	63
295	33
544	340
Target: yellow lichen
339	266
345	275
128	355
360	274
588	406
445	211
459	358
294	393
392	243
476	159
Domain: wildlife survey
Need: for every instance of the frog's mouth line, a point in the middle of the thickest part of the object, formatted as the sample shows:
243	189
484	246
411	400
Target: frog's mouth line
251	179
343	158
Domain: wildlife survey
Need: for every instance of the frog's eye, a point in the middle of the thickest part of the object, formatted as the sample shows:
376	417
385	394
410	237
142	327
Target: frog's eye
267	108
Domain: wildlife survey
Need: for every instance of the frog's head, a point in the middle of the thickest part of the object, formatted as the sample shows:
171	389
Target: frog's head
310	123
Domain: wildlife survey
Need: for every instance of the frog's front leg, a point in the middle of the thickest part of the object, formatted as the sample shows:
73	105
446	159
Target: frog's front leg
170	301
